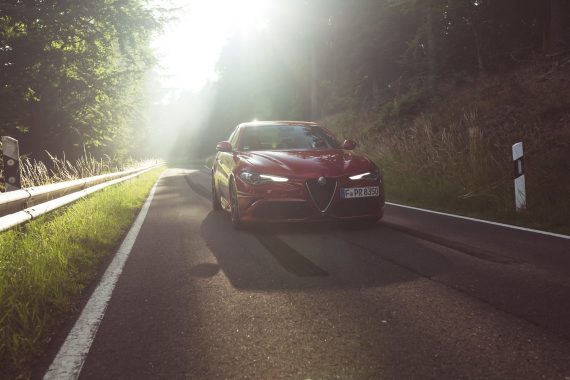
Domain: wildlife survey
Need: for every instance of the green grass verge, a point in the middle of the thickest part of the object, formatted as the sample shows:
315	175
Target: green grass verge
46	264
471	193
546	211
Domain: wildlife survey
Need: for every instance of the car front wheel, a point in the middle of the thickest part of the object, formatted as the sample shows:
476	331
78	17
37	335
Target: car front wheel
234	207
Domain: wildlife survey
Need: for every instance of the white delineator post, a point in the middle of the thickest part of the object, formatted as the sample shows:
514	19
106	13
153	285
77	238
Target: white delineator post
520	191
11	155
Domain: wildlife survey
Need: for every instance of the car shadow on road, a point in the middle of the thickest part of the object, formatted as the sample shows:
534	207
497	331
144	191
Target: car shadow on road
316	255
306	256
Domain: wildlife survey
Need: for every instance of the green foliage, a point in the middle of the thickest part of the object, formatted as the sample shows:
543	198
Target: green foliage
401	109
455	156
436	90
71	71
46	264
382	59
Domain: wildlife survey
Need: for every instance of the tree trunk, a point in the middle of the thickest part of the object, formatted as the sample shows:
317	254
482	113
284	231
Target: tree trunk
480	64
431	47
555	25
315	114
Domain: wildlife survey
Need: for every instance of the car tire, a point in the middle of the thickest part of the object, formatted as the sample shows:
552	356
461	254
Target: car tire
234	206
216	205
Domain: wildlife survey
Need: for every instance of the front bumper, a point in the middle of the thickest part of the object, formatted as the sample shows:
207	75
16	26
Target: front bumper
292	202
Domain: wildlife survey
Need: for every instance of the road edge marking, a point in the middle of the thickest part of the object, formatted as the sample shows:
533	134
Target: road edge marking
72	354
483	221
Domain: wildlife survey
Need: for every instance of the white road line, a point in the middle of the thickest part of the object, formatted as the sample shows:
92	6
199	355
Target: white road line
483	221
72	354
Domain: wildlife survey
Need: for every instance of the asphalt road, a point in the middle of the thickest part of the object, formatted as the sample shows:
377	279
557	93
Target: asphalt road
417	296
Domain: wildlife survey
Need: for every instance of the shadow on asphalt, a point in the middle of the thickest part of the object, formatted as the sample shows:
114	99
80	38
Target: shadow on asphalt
205	270
332	256
317	255
248	257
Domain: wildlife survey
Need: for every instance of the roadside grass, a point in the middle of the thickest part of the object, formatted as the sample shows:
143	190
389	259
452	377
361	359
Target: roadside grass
455	156
59	169
468	171
46	264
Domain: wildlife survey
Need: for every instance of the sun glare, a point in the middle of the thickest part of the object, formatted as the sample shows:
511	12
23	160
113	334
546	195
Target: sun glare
190	46
248	16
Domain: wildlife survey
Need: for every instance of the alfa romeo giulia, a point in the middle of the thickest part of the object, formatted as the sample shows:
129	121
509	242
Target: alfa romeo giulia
285	171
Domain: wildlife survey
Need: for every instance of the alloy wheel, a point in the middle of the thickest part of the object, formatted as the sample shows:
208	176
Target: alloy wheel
234	207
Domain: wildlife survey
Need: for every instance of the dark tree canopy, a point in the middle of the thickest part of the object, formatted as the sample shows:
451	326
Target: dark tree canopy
71	72
319	58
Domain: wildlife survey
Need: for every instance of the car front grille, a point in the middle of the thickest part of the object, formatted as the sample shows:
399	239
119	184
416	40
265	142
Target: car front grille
322	194
282	210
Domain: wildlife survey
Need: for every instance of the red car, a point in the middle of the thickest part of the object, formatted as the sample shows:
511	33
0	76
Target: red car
285	171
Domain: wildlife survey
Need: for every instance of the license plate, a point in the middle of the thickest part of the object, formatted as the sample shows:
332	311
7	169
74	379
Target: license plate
359	192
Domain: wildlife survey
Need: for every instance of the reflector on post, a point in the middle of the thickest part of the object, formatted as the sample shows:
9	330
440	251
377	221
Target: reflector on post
11	156
520	191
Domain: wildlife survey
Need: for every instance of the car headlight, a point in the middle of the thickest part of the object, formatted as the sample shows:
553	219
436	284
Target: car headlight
260	179
372	175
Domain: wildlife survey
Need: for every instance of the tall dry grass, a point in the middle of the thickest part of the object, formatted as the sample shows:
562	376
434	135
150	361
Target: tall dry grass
465	166
454	151
475	160
58	169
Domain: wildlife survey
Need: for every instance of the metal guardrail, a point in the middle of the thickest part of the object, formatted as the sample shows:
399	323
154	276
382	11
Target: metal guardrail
20	206
19	199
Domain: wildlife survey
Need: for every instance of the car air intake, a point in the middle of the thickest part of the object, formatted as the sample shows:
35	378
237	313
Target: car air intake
322	191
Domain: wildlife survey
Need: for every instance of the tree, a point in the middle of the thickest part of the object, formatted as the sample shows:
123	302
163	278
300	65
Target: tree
378	59
557	16
71	71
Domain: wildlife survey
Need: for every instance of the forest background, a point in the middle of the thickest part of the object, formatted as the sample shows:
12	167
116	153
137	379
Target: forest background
435	91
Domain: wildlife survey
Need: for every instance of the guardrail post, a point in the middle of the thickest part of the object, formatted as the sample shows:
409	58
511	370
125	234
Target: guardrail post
11	155
520	191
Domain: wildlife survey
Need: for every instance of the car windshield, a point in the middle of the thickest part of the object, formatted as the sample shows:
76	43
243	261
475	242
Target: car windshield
286	137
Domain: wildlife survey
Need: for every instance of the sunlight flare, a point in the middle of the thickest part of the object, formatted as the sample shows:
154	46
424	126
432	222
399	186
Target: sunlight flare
190	46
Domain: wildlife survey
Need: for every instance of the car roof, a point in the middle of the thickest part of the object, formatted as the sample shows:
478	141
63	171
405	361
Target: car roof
277	123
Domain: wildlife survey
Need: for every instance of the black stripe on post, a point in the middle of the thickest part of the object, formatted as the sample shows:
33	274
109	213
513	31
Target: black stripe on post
11	160
518	167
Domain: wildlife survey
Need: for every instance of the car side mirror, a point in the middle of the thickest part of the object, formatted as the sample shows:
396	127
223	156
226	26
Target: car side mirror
349	144
224	146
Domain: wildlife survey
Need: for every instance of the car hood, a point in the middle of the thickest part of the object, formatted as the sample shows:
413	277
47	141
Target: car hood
305	163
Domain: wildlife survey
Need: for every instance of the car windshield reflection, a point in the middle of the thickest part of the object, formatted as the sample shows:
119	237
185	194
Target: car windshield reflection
286	137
